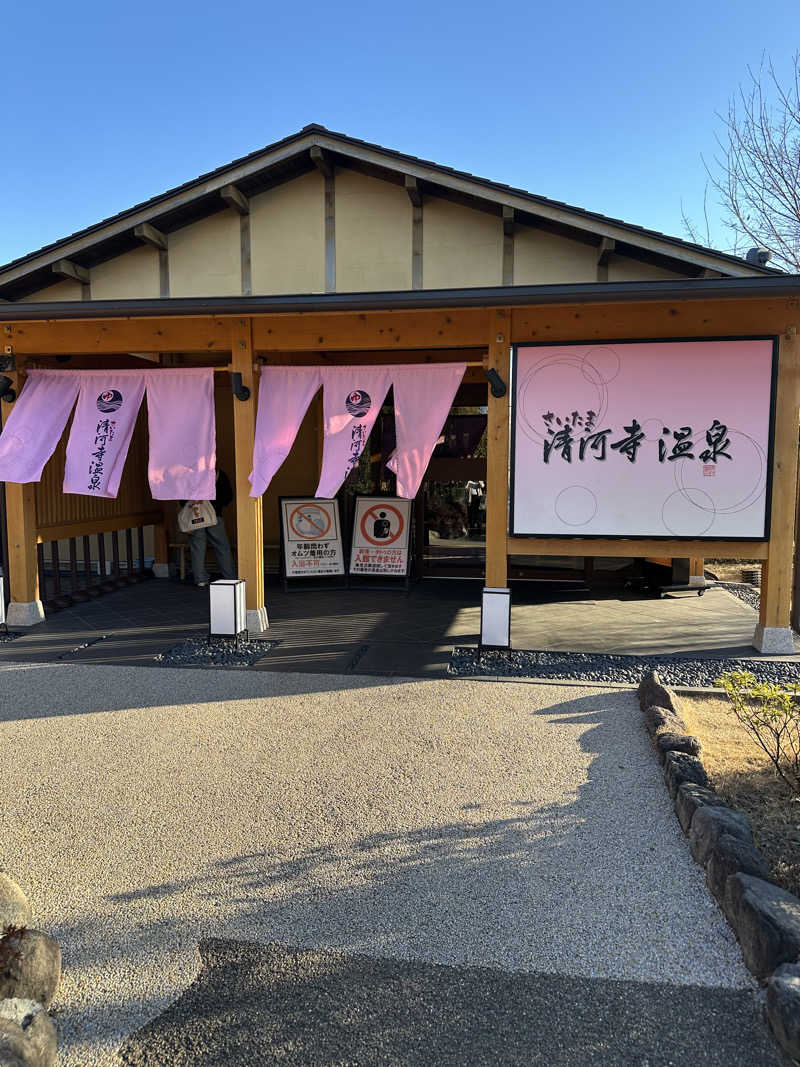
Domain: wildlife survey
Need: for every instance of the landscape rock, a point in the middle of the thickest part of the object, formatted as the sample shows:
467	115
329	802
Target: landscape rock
660	720
14	907
689	797
783	1007
27	1034
766	920
36	973
652	692
672	742
730	855
680	767
708	825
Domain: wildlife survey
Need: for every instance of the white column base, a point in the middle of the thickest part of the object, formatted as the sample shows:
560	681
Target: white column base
161	570
774	640
257	621
25	614
697	580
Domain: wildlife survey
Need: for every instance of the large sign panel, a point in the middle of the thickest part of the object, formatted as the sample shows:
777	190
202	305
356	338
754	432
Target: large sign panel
381	531
663	439
312	538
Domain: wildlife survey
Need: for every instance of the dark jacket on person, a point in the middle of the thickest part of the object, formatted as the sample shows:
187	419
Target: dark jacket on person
224	492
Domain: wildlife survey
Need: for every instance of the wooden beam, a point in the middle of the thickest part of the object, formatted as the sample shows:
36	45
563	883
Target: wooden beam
65	268
414	190
249	511
777	576
497	429
508	245
322	161
629	548
149	235
235	199
604	253
90	526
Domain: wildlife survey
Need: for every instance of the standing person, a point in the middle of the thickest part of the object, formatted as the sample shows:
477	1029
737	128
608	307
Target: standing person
217	535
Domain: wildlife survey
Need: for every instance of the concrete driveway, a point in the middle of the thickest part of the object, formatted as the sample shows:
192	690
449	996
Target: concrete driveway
243	867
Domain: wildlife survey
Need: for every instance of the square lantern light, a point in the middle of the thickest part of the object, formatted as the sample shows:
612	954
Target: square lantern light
496	618
228	614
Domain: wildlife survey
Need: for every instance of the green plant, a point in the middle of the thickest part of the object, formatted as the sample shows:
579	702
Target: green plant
771	715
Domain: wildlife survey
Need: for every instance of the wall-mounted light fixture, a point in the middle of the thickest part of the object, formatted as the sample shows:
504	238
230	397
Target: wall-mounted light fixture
240	391
496	383
7	392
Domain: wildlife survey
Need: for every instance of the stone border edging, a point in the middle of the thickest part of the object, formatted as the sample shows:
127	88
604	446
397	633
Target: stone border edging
764	917
30	971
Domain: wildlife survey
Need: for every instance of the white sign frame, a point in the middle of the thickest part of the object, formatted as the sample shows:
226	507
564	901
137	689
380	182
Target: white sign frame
295	532
371	509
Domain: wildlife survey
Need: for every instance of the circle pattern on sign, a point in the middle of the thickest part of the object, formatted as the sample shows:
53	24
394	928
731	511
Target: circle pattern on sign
379	515
310	522
585	378
358	403
110	400
688	512
576	505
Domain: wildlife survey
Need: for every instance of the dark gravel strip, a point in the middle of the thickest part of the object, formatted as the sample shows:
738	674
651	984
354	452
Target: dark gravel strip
750	594
592	667
222	652
12	635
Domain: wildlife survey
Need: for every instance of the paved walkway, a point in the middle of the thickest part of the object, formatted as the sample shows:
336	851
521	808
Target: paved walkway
387	633
243	867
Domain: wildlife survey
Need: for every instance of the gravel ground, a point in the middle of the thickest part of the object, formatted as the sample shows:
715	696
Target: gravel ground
750	594
520	827
593	667
222	652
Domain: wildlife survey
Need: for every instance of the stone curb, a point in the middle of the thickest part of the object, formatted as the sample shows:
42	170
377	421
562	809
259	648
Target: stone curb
30	970
764	917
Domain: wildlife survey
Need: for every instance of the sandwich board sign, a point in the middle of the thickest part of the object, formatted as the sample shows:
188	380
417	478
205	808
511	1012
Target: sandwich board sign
312	538
381	530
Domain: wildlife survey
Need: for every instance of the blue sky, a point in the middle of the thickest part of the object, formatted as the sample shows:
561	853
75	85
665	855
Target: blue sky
606	106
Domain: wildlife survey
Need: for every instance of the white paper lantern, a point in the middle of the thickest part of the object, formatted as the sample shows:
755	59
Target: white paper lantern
496	618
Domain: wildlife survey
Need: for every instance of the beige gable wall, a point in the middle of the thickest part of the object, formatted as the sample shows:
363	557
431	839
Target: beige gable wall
133	276
205	258
634	270
373	234
542	258
461	247
64	290
288	237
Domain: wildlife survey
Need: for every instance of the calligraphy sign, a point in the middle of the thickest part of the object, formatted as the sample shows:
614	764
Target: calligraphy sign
664	439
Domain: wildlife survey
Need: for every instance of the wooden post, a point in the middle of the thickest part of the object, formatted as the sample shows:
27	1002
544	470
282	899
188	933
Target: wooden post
497	429
25	607
773	633
249	510
697	571
161	550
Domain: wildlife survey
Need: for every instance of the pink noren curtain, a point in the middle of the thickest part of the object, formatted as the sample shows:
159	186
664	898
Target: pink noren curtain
183	440
422	398
284	394
36	423
351	399
105	415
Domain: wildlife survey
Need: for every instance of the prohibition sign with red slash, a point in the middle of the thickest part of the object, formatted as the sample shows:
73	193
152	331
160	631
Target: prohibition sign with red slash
371	514
320	522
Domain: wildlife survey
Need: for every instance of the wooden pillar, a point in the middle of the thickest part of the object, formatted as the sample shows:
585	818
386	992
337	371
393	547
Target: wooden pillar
697	570
773	633
497	431
161	550
249	510
25	607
